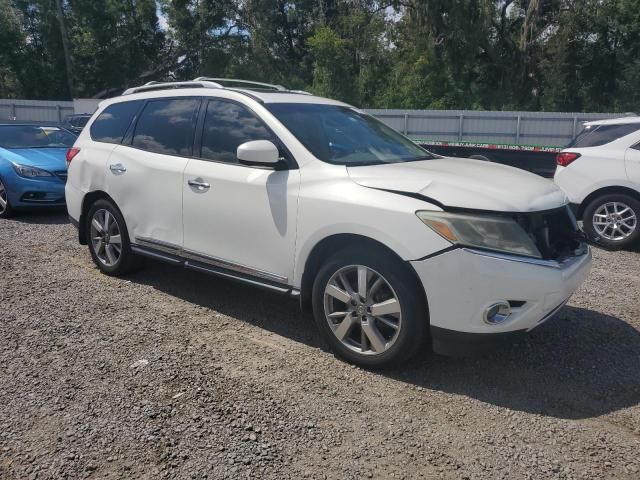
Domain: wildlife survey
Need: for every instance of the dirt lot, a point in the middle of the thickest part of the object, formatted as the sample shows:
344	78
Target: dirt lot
169	373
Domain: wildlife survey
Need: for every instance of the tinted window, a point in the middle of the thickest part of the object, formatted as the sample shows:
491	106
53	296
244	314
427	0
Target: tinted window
596	135
113	122
226	126
345	136
33	136
167	126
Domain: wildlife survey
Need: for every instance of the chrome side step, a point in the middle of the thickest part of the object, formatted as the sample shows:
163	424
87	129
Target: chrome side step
165	257
212	270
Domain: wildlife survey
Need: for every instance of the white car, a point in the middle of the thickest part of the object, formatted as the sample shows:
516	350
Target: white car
393	248
600	172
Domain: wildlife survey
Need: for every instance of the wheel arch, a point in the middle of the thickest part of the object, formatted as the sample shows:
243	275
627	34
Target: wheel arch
606	191
336	242
88	200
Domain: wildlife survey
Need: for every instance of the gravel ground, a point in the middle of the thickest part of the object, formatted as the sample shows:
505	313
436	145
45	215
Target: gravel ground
169	373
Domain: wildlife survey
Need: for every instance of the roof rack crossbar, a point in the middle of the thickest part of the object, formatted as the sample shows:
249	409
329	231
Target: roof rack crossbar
150	86
249	83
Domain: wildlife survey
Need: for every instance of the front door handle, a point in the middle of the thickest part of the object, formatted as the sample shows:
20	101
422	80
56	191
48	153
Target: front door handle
198	184
117	168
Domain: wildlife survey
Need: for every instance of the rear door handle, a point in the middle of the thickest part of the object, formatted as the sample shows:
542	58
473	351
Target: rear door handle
198	184
117	168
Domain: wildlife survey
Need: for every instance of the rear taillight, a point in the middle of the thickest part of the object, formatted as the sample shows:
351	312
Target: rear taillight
72	152
565	158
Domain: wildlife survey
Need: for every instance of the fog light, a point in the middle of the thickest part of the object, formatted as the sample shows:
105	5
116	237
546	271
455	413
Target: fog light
497	313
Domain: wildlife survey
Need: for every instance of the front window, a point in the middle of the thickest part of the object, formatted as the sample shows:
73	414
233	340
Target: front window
228	125
345	136
34	136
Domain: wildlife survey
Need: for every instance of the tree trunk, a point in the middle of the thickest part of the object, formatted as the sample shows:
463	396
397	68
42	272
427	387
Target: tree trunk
65	48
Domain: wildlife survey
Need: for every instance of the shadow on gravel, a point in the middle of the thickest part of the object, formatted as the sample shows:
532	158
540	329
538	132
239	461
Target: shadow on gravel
276	313
582	364
42	216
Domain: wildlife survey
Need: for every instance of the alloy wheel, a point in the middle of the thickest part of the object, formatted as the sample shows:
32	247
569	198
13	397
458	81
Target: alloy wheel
105	237
4	200
362	309
615	221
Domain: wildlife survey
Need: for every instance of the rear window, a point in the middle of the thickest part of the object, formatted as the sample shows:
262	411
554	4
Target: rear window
113	122
167	126
596	135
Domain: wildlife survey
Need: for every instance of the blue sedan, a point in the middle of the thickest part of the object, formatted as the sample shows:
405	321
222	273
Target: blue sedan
33	167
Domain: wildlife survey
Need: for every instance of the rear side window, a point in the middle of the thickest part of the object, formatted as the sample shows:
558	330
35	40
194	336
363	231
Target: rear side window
596	135
167	126
228	125
113	122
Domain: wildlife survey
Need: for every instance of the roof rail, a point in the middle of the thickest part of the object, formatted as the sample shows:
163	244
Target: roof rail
150	86
249	83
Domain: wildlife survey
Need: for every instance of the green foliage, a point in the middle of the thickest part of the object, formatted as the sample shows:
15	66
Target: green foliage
13	42
578	55
332	72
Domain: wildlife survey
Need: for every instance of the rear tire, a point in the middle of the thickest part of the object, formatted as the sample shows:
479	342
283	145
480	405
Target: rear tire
6	211
611	220
108	239
385	327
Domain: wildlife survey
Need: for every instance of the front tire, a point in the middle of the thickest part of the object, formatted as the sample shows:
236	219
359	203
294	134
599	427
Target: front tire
108	239
369	308
6	210
612	220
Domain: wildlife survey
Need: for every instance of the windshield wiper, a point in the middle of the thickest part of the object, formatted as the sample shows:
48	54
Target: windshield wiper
366	163
418	159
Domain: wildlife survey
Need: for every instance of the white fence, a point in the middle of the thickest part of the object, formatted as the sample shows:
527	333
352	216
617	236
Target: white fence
34	110
519	128
46	111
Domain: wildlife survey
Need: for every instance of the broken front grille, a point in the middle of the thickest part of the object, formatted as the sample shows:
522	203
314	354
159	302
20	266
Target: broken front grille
555	232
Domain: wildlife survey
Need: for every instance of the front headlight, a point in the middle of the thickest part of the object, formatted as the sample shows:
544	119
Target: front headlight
30	172
501	234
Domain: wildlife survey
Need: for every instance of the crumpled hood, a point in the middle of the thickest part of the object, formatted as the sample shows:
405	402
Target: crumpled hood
465	183
50	159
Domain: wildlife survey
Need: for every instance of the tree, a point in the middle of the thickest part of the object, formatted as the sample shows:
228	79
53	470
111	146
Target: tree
13	44
482	54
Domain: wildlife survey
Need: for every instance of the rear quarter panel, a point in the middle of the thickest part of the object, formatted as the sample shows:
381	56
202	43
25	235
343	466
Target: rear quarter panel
632	164
87	172
597	167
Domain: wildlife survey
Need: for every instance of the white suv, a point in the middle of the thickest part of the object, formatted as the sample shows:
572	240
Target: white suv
389	245
600	172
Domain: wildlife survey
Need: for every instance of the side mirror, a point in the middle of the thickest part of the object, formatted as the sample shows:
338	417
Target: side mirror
258	152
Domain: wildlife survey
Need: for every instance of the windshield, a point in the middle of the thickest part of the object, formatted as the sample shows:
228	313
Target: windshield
597	135
33	136
345	136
